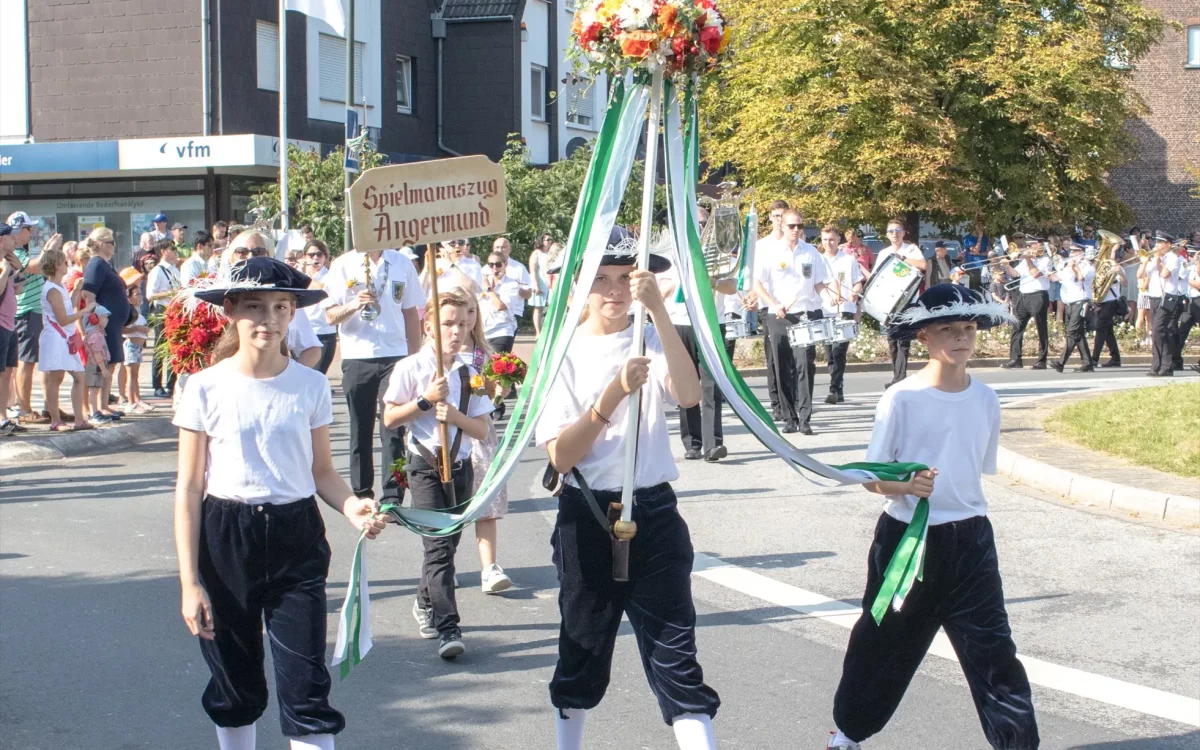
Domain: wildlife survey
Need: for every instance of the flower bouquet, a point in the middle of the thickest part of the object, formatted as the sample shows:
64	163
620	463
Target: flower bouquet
679	36
190	334
507	370
399	469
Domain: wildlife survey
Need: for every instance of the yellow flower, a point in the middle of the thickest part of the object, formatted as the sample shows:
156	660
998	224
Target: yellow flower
350	283
783	264
476	382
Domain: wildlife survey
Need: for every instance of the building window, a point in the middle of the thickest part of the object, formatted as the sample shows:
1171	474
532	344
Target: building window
332	56
579	95
404	80
537	92
268	56
1193	38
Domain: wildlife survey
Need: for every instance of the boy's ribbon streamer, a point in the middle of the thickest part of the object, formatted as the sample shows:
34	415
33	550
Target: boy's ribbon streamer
681	161
354	623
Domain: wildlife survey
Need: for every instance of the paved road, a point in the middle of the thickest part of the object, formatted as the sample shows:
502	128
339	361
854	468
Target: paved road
93	653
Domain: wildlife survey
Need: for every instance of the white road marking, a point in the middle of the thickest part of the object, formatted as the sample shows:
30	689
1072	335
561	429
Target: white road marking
1056	677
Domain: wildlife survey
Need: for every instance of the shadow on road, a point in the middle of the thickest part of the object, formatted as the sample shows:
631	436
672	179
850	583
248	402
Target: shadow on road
1180	741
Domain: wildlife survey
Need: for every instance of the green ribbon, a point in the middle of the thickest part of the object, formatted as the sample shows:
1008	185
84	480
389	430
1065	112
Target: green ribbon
354	622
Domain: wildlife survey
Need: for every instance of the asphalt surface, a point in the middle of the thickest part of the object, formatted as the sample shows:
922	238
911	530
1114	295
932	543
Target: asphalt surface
94	654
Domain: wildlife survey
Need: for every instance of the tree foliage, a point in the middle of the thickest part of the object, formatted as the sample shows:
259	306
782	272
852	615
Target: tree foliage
316	189
1000	112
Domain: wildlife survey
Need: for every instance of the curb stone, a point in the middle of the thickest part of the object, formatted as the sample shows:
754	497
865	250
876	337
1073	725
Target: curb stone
69	444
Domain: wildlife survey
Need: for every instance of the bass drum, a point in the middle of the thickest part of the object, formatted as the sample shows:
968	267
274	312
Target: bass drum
892	285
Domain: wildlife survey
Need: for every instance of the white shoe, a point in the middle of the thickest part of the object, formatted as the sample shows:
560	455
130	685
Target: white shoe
839	740
495	580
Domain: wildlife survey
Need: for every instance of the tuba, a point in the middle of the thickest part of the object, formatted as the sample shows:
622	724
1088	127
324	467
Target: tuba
721	237
1106	267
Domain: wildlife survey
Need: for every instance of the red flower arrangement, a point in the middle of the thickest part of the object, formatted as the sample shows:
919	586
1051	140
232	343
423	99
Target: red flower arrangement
506	369
189	337
399	470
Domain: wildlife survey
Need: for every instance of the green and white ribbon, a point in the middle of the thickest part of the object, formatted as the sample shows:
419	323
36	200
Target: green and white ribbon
681	158
354	623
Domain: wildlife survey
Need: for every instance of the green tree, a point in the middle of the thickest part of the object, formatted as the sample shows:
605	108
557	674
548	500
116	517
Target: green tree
999	112
316	188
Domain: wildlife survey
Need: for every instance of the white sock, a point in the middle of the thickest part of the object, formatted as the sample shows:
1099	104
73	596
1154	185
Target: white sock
313	742
694	732
841	740
236	738
570	730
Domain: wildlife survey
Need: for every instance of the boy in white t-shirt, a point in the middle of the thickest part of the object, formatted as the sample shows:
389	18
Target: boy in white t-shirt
418	399
960	589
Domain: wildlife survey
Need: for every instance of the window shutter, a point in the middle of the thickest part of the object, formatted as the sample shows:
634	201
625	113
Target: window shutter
331	53
268	56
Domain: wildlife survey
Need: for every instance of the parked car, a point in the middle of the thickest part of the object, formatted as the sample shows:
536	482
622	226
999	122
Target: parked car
953	247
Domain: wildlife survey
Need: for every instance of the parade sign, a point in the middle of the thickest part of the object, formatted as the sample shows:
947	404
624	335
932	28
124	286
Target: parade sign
427	202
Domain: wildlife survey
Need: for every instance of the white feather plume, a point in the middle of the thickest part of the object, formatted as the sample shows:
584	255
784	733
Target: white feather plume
994	311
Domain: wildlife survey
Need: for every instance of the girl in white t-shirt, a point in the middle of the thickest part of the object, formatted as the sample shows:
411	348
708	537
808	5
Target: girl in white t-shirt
583	429
253	452
945	419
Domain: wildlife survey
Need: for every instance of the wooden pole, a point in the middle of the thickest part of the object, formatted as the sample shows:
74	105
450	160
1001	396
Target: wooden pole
435	311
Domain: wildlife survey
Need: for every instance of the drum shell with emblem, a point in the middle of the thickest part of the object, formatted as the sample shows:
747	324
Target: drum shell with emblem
892	286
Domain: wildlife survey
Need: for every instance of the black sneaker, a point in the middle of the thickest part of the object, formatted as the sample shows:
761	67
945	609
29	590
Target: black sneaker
450	644
831	398
1012	366
1057	366
841	397
424	618
1085	368
716	454
1038	366
1111	363
791	427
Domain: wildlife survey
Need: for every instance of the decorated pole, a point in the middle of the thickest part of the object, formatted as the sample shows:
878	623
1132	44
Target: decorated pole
435	313
624	529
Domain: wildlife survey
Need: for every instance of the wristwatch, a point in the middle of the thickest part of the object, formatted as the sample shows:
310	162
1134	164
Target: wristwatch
424	404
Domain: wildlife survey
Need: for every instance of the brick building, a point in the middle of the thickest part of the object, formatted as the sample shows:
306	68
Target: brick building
1157	184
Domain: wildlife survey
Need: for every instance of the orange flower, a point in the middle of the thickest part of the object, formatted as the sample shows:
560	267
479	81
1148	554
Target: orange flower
638	44
724	40
668	19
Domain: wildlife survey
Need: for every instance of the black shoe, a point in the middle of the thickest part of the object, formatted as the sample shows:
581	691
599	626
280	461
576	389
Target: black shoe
1038	366
1196	367
160	393
1012	365
1178	367
716	454
777	415
692	454
1111	363
450	644
499	411
1153	374
111	399
806	430
791	427
1085	368
1056	365
831	398
888	384
841	398
424	618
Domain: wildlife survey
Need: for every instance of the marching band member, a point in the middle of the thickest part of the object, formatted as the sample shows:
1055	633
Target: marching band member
583	430
960	589
515	270
839	300
1166	303
790	281
762	249
1112	308
1192	315
1033	302
1075	292
912	255
253	453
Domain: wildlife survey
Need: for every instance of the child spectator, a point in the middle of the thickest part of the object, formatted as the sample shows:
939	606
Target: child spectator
94	344
128	381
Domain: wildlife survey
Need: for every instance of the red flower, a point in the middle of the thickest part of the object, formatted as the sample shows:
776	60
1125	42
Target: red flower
198	337
710	37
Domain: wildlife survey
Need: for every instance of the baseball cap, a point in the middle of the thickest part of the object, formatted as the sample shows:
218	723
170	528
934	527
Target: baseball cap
20	220
160	217
177	225
939	243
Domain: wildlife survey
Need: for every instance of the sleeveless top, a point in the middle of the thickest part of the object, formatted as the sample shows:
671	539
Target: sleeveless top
47	310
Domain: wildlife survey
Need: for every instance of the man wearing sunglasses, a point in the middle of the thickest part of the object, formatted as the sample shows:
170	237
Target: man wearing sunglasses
498	303
761	312
912	255
790	281
515	270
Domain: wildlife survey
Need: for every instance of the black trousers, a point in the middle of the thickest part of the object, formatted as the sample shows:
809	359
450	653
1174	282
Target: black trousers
1076	333
711	402
794	368
266	562
364	381
657	598
898	350
1106	317
502	344
962	593
328	348
769	359
691	426
437	566
836	354
1165	330
1191	316
1035	306
156	369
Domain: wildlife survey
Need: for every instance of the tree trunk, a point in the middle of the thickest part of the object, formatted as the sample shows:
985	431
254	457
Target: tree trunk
912	226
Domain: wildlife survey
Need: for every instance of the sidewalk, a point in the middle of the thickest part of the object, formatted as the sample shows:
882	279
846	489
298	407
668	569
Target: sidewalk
1087	477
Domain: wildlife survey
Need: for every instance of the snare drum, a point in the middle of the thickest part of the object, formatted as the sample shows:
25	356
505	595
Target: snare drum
844	331
892	286
810	332
738	329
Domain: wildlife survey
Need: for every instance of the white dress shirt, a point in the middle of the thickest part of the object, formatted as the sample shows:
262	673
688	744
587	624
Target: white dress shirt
1073	289
517	271
163	278
1030	284
1172	283
907	251
397	287
791	275
843	272
498	323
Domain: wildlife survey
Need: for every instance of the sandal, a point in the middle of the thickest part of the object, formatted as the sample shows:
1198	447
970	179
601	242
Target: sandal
81	427
60	427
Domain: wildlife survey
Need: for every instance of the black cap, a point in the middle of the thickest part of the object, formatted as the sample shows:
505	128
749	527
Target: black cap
1164	237
264	274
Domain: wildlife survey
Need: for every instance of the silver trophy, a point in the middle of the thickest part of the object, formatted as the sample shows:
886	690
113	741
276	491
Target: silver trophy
721	237
371	310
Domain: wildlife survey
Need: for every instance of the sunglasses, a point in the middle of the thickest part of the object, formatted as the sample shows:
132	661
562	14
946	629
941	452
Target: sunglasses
246	252
795	226
501	264
895	231
314	255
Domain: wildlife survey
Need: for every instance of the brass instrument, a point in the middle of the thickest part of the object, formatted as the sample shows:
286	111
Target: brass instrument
1106	268
721	237
370	311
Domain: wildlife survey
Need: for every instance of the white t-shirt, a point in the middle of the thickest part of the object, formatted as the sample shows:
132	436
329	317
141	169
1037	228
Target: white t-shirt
410	377
1029	284
1072	289
259	431
956	433
163	278
300	334
497	323
843	272
791	276
762	249
517	271
907	252
1193	272
192	268
316	313
397	287
591	364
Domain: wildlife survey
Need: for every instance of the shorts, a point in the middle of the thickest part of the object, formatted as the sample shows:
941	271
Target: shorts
1143	302
1055	289
29	332
133	353
92	373
8	349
